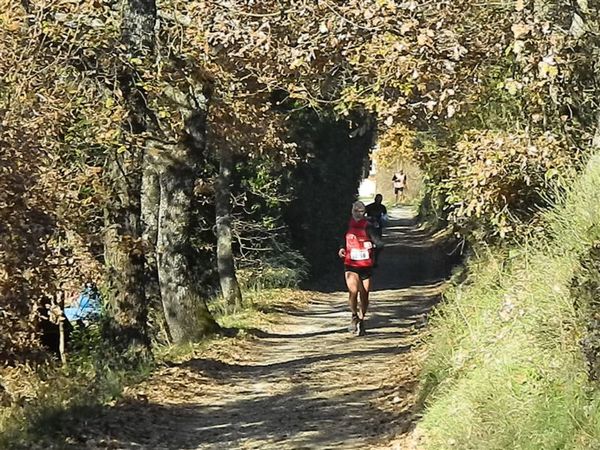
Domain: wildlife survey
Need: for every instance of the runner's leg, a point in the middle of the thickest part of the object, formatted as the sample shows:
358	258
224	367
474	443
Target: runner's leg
364	287
353	283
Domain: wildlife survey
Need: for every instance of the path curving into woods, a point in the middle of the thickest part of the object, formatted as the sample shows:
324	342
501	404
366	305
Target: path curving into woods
305	384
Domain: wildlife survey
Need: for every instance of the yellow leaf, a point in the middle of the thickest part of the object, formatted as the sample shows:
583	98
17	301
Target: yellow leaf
518	47
520	5
512	86
520	29
547	70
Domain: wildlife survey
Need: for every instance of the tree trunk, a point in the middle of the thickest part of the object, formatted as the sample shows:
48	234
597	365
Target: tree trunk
123	246
150	202
150	198
227	278
139	19
186	313
125	262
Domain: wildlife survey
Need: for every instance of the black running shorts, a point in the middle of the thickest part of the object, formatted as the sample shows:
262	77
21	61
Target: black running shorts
364	273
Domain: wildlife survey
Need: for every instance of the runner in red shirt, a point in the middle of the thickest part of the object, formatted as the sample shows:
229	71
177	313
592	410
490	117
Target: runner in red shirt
358	254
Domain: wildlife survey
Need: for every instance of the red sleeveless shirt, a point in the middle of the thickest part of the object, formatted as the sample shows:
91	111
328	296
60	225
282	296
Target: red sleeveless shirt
359	248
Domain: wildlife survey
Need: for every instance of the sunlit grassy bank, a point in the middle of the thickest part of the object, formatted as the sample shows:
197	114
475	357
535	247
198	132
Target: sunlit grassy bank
506	367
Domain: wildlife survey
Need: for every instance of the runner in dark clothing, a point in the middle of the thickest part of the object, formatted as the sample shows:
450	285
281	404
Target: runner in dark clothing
377	213
357	252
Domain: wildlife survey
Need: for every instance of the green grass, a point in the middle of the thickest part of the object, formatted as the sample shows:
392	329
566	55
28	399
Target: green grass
505	368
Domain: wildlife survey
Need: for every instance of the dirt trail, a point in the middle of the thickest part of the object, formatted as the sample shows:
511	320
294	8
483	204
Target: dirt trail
308	384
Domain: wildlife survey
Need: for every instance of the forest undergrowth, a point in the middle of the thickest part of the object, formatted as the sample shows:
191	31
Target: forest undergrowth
47	396
513	351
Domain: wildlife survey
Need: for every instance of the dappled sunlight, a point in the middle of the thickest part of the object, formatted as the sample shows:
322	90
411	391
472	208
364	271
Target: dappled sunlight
304	383
181	155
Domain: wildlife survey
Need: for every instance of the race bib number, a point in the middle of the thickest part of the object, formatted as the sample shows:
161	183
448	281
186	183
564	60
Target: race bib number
359	255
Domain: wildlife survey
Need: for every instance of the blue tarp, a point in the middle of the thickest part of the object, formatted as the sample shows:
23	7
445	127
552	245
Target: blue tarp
87	306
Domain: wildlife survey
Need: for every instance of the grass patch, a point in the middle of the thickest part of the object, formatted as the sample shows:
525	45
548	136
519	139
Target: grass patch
47	396
505	367
261	308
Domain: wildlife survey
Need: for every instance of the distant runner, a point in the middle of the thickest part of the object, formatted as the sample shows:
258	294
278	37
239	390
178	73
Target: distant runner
357	253
377	213
377	216
399	181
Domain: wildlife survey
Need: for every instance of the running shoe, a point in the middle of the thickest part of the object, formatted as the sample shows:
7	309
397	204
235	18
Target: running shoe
360	328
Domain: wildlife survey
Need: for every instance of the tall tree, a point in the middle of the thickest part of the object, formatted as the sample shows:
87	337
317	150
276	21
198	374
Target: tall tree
186	312
123	244
150	201
229	284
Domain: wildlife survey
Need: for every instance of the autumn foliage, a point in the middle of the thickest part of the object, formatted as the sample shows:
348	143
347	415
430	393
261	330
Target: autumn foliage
49	196
495	102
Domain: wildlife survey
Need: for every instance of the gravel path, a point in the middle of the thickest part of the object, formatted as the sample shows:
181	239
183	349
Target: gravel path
306	384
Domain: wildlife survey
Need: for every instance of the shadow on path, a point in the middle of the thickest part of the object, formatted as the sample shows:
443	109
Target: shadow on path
413	256
197	425
308	384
